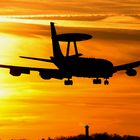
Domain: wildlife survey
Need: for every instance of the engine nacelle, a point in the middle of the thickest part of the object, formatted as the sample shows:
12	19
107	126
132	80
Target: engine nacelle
44	75
131	72
15	72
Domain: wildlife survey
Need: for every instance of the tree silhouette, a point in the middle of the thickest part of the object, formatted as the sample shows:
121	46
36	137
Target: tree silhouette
99	136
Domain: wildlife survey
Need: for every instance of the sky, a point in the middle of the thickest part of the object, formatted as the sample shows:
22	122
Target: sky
33	108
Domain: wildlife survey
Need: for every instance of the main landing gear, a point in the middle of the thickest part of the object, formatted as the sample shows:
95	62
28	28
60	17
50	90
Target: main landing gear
98	81
68	82
106	82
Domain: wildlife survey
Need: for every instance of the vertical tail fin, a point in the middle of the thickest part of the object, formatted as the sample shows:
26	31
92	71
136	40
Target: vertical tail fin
55	43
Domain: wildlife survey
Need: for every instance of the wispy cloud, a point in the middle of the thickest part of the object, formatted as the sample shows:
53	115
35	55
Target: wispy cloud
70	7
24	29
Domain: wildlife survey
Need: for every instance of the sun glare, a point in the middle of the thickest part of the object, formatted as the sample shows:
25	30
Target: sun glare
3	93
7	45
3	19
6	40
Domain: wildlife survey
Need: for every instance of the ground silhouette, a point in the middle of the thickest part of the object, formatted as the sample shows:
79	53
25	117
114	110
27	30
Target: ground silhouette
99	136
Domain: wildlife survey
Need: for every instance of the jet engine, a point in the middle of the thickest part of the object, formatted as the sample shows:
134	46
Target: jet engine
44	75
131	72
15	71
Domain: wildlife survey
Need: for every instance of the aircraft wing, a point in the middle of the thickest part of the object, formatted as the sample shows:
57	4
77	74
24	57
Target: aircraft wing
43	72
127	66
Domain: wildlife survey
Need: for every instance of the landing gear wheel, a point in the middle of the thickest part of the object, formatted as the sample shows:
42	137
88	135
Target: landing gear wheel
71	82
106	82
97	81
68	82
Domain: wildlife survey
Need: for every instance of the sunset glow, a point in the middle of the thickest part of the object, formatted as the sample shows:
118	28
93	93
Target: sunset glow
33	108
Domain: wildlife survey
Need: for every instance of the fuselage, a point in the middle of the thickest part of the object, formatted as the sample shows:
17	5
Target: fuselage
85	67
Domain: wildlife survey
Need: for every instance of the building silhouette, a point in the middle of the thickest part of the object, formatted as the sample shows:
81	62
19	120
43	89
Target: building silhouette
87	131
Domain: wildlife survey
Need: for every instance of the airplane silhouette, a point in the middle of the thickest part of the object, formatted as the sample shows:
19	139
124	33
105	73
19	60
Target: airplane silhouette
73	65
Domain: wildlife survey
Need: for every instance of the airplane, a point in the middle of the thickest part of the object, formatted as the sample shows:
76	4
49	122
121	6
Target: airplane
73	65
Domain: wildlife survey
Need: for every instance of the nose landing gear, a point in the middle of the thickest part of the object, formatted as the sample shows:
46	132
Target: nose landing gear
68	82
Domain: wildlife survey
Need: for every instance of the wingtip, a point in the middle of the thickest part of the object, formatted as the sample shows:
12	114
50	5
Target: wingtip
22	56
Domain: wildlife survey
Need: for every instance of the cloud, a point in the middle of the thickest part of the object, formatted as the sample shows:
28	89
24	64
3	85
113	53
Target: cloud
69	7
24	29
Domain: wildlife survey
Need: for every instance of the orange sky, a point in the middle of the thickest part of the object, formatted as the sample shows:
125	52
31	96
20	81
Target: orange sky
33	108
69	7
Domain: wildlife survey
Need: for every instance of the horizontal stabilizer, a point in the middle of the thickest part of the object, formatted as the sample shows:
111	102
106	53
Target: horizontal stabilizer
39	59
